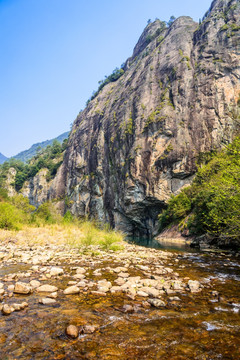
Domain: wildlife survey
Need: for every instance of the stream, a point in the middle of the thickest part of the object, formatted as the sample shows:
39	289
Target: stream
192	325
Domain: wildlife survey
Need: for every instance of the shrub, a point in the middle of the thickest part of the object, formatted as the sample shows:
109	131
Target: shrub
212	203
10	217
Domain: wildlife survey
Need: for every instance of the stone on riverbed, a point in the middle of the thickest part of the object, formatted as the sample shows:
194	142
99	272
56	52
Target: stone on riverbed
87	329
7	310
47	288
22	288
157	303
194	286
71	290
47	301
35	284
72	331
56	271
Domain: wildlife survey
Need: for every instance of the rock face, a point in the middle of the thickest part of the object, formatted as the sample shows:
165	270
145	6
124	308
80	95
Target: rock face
137	141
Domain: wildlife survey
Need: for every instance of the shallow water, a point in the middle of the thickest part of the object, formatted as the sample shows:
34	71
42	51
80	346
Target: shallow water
199	326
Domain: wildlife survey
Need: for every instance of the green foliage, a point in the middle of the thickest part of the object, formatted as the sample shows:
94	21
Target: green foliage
212	203
116	74
49	158
46	213
10	217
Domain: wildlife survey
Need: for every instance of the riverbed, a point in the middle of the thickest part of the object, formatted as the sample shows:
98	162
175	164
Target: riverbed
136	303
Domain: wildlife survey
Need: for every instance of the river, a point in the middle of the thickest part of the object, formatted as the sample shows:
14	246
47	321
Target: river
202	325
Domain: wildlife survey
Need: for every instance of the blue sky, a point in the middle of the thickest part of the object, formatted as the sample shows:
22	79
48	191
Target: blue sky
54	52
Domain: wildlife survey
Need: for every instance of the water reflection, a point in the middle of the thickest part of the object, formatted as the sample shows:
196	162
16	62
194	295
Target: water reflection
163	244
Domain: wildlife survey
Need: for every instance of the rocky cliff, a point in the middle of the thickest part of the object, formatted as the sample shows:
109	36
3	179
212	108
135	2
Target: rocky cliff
137	141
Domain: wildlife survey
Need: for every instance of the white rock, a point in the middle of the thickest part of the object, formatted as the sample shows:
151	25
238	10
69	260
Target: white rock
47	288
71	290
56	271
47	301
22	288
35	284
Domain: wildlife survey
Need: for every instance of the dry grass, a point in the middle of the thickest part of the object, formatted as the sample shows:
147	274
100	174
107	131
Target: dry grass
82	236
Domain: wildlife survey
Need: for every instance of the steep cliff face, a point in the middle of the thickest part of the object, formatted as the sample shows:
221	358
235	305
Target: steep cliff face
136	143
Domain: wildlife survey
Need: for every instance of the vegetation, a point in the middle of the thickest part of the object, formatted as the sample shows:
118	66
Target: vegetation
34	149
49	158
38	225
114	76
211	205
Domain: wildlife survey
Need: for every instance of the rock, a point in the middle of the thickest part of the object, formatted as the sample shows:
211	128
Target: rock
7	310
2	292
151	291
53	295
79	276
47	288
72	283
35	284
47	301
72	331
87	329
177	285
80	270
115	289
99	293
56	271
22	288
157	303
120	281
194	286
127	308
142	293
123	275
17	307
1	285
71	290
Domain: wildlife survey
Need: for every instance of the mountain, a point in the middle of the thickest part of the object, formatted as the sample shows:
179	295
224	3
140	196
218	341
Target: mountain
137	141
29	153
2	158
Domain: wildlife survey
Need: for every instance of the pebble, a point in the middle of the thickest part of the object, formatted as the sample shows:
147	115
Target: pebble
47	288
56	271
157	303
47	301
7	310
71	290
22	288
72	331
35	284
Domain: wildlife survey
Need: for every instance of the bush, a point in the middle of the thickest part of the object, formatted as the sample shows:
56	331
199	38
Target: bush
10	217
46	213
212	203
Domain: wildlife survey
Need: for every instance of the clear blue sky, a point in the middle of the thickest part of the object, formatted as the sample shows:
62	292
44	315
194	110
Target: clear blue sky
53	52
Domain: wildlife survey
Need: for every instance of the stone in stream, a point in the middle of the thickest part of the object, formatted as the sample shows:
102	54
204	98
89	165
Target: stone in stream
22	288
157	303
71	290
2	292
53	295
142	293
87	329
194	286
80	270
47	288
1	285
72	331
18	307
35	284
47	301
56	271
7	310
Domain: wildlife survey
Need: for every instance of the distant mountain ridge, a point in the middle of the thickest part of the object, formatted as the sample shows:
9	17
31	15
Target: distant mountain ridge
29	153
3	158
